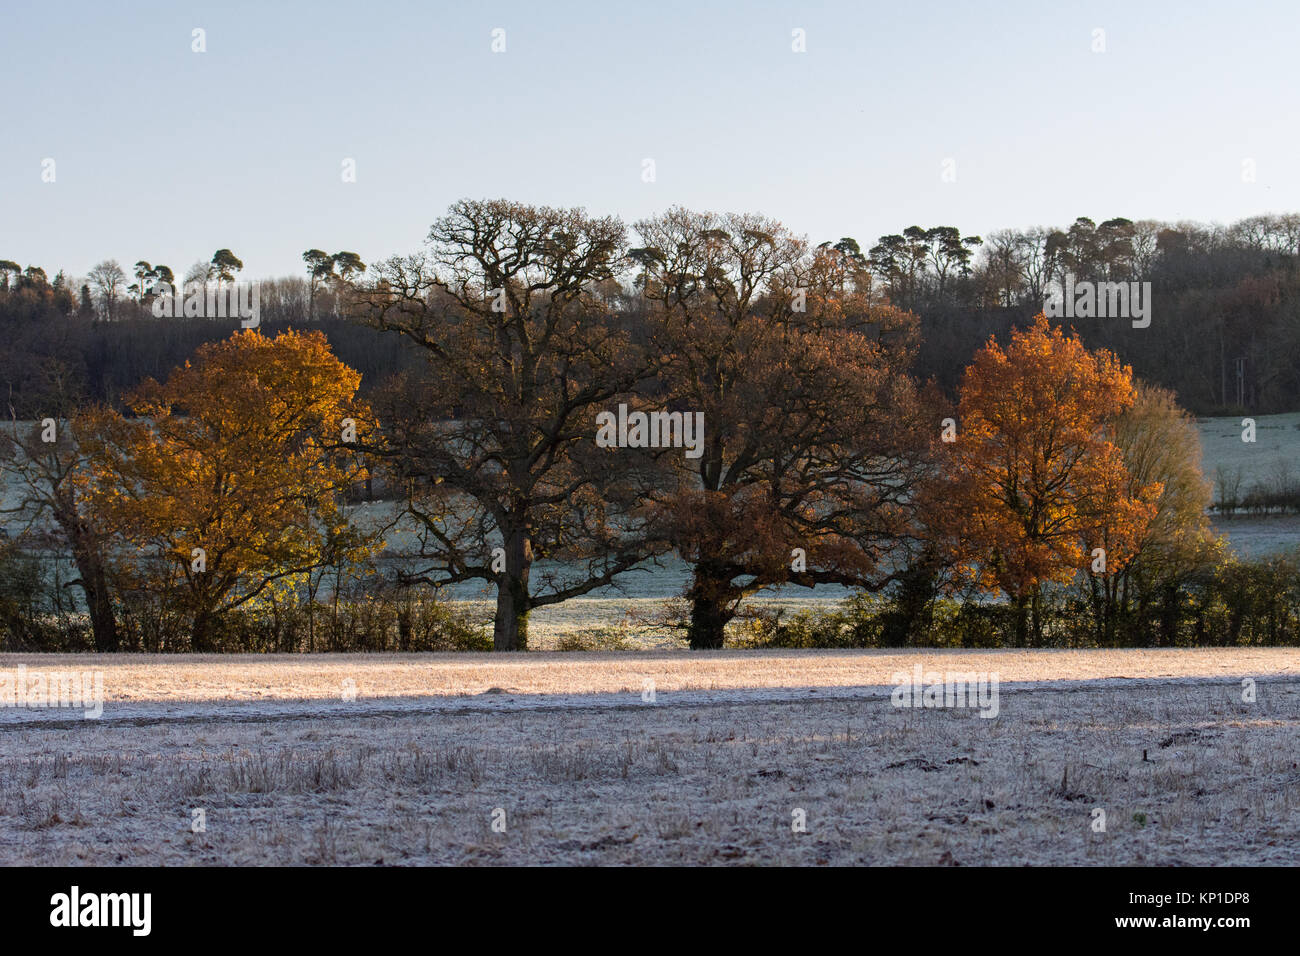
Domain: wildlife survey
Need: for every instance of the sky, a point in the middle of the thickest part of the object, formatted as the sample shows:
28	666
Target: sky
980	116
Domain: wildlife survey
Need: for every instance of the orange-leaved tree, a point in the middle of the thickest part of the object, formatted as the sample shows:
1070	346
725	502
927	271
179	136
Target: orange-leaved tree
232	471
1033	490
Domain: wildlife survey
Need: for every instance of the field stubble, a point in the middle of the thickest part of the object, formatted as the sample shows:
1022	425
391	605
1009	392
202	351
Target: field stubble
1187	773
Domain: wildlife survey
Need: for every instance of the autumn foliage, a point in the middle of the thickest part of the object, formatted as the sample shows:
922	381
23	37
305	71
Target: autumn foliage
814	428
1033	486
230	474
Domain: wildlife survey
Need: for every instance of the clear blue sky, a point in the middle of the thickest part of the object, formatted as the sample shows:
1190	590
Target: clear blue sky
165	154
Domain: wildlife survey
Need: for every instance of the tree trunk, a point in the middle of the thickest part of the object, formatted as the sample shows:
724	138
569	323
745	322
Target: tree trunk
708	628
1169	616
203	632
1020	606
1036	616
913	607
1098	611
510	628
99	603
709	612
1109	613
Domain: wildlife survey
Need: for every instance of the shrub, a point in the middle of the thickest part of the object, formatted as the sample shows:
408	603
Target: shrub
594	639
379	619
856	623
35	613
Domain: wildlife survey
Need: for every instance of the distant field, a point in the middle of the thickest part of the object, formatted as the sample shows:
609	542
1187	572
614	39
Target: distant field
715	770
1276	449
1275	454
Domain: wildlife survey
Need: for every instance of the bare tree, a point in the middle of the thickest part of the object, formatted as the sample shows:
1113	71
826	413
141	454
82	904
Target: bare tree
107	277
45	462
497	441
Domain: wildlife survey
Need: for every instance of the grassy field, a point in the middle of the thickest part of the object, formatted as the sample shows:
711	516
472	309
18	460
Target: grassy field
1274	457
582	769
1275	451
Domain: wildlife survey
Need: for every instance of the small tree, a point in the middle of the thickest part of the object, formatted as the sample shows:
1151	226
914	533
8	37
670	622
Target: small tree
50	478
320	266
144	277
1160	445
224	266
1033	485
107	277
346	265
8	269
232	473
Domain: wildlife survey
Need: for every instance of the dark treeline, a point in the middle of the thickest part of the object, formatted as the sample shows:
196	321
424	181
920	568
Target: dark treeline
1223	299
57	350
1224	335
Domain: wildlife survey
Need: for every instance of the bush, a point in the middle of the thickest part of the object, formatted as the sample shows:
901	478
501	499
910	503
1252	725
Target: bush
1234	603
857	623
376	619
1237	603
20	587
595	639
35	614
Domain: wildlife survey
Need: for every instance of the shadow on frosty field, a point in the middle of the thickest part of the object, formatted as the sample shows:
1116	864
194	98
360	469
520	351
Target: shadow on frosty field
696	781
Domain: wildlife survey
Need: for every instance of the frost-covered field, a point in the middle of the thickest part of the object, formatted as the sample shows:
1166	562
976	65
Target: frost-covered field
135	683
1273	456
1275	450
567	751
